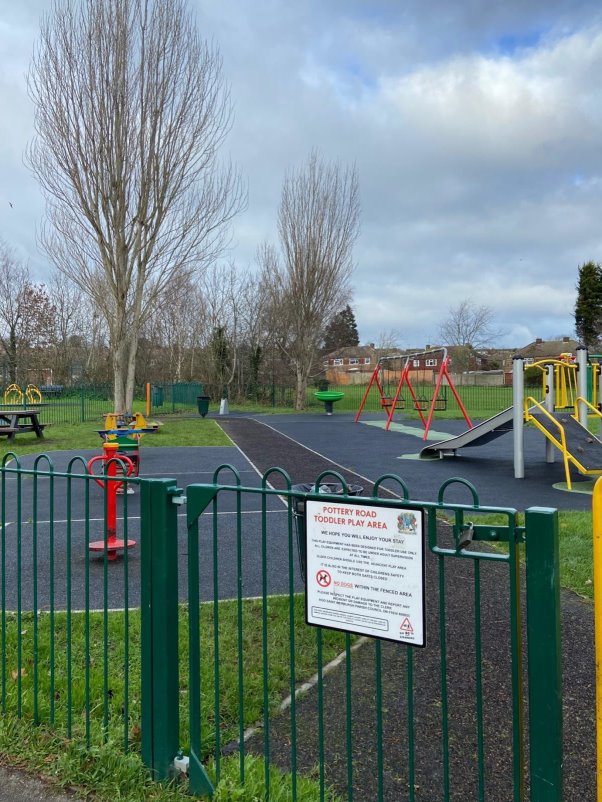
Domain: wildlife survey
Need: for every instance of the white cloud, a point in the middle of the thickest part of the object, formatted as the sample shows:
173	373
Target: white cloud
539	106
475	128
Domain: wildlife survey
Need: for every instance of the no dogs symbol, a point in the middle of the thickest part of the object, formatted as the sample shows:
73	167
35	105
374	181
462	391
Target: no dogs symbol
323	578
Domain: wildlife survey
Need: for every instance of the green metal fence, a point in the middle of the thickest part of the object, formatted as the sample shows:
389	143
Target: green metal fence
480	401
91	402
67	660
194	640
438	723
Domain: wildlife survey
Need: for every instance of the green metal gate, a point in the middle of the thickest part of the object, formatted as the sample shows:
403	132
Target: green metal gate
364	719
220	672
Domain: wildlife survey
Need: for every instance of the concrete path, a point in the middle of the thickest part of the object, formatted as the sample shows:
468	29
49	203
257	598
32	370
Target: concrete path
18	787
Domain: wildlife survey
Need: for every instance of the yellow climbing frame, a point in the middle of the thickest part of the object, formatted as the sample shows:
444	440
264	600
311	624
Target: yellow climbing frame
560	440
565	380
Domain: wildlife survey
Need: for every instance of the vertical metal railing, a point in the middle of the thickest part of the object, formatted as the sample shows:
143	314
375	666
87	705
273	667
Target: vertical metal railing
69	640
538	585
65	663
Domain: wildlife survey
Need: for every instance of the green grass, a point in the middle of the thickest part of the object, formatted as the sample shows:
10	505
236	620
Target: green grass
174	431
36	690
574	545
111	775
576	567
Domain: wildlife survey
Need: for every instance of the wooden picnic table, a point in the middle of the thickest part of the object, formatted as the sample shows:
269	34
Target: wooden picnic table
14	421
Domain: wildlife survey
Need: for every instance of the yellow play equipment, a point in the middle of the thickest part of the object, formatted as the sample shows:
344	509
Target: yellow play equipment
132	425
565	379
33	395
15	395
577	446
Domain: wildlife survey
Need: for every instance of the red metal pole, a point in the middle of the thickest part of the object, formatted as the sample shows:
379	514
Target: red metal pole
372	378
110	483
112	486
457	397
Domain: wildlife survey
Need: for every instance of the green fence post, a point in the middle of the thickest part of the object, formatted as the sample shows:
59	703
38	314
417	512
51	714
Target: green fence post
159	625
543	648
82	408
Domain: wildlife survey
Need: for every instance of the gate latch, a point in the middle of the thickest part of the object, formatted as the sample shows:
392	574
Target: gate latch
465	536
181	763
177	495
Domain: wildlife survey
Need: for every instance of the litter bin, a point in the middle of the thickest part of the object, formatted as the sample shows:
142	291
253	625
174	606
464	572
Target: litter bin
156	396
333	489
202	402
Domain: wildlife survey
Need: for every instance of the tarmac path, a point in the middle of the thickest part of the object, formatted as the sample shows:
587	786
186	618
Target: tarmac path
265	447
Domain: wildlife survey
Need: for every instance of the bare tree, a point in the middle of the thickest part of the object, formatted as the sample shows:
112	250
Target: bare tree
318	223
25	314
389	340
470	327
70	326
131	109
222	297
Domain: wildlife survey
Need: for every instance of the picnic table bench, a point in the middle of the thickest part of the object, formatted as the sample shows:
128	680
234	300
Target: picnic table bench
17	421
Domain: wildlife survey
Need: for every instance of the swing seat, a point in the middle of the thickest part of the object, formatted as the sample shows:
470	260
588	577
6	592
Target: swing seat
387	403
423	404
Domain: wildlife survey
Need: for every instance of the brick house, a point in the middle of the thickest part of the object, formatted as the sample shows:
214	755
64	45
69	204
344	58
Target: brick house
353	364
547	349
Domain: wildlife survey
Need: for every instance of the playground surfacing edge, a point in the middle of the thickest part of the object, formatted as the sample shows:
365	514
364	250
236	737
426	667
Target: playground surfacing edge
365	450
370	451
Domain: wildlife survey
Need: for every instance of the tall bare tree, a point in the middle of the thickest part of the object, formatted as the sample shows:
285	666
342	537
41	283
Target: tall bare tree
318	223
131	109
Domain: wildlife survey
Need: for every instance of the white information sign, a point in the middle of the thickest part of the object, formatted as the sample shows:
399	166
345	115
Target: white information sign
365	569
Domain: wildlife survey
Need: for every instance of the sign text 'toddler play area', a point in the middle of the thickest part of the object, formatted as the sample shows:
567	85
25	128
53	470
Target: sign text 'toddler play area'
365	569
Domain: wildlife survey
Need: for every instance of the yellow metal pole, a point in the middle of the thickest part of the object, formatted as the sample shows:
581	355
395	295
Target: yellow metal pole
597	533
148	399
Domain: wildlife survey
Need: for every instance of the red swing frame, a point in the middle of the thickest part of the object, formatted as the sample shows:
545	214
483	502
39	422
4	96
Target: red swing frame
390	404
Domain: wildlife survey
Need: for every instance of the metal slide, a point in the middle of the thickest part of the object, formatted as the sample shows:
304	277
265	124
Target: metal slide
481	433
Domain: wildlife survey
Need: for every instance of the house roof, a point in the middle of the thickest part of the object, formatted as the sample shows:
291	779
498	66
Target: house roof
351	351
543	349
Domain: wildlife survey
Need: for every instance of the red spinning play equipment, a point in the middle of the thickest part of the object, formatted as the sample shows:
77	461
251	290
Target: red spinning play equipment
390	404
115	464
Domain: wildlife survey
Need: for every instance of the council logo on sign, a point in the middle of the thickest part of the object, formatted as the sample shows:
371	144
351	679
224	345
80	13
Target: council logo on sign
407	523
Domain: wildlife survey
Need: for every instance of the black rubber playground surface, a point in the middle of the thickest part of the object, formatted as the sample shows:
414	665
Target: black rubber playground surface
304	446
368	450
188	466
362	453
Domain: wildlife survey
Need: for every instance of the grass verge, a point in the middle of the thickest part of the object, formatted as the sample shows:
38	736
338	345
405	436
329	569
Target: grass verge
73	436
575	547
79	676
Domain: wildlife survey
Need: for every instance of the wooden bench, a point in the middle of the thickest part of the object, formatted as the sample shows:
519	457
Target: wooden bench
8	430
11	431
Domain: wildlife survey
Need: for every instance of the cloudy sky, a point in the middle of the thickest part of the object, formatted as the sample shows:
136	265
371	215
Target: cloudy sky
475	127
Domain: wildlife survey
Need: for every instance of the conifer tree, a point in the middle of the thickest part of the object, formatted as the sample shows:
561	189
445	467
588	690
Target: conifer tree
588	307
341	331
